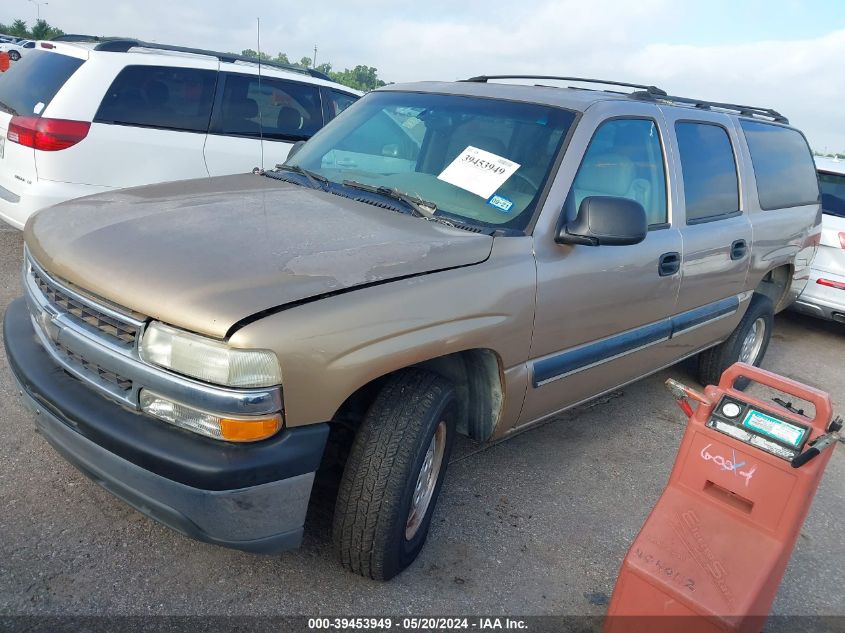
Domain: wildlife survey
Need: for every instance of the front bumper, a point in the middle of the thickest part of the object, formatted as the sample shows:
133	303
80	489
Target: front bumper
252	497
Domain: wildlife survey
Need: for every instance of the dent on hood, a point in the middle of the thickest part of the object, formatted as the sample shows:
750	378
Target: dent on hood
359	265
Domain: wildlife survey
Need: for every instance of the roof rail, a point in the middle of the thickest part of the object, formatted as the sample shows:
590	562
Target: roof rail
653	93
73	37
123	45
703	104
650	89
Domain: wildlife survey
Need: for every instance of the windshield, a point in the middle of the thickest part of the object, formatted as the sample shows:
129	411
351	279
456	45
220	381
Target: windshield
482	161
833	193
32	82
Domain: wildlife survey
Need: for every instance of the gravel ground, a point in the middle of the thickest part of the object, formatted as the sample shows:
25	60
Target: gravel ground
535	525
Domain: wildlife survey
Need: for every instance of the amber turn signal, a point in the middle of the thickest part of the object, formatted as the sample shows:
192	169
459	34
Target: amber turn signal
240	430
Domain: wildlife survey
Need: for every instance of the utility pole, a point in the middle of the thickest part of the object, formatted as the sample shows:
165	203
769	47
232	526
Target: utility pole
314	61
38	7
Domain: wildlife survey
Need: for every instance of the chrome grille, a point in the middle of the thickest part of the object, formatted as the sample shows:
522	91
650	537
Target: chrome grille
120	332
124	384
97	342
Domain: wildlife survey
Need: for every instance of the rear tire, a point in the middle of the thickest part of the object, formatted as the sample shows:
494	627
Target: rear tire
14	56
393	477
747	343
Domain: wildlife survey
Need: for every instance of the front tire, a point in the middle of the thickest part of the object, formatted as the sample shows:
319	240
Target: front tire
393	477
14	56
747	344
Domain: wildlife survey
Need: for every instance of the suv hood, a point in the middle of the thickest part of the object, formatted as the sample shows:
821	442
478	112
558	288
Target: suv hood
205	254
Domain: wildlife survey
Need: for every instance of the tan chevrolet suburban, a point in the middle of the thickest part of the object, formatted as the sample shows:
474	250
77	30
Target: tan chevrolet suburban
443	258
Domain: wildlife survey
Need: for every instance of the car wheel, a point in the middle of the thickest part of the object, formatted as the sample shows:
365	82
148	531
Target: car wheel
747	344
394	473
14	56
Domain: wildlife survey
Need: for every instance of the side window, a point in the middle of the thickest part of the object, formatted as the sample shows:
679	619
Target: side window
833	193
625	160
783	165
339	101
711	187
276	108
161	97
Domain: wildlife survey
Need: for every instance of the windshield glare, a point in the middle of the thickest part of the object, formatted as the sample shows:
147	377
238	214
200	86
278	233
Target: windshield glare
484	161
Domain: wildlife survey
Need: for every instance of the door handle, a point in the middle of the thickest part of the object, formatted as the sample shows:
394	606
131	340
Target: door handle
669	264
738	249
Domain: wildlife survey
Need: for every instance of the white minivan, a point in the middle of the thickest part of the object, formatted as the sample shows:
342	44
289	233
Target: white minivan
79	118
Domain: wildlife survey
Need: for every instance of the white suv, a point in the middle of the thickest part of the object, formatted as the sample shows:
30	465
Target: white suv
79	118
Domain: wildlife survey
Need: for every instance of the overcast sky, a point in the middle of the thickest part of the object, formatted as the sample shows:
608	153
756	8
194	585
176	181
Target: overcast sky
784	54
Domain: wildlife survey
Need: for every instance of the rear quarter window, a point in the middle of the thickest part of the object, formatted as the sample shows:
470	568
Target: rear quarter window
160	97
31	83
783	165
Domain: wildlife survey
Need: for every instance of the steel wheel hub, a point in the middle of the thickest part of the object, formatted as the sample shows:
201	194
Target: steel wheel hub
753	342
426	481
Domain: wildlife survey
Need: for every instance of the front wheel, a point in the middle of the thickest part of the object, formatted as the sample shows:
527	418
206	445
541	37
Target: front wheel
394	473
14	56
747	344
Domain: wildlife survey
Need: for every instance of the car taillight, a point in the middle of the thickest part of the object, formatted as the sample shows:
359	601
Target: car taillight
48	135
830	283
842	240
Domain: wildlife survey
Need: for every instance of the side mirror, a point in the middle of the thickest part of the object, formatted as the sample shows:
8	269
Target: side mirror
606	221
296	147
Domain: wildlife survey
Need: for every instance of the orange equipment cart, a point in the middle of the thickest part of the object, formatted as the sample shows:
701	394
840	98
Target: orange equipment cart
712	553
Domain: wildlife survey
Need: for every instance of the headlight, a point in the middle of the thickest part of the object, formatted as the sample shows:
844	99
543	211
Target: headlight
209	360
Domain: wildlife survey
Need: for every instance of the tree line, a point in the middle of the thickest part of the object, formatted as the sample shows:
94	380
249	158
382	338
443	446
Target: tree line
40	30
361	77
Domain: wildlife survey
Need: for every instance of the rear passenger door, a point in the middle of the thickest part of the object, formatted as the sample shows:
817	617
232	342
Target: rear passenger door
714	226
150	127
249	108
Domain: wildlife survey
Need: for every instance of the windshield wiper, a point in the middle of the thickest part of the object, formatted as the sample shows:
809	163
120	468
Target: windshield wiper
421	208
317	181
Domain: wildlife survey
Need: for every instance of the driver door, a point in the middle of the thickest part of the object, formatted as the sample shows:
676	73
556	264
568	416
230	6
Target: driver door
602	313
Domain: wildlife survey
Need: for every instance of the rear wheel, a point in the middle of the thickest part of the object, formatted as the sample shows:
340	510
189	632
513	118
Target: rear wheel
14	56
747	343
393	477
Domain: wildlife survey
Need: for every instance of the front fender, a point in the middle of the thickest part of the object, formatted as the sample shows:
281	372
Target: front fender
331	347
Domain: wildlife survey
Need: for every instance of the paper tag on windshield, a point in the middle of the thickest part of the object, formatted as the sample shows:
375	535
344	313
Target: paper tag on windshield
478	171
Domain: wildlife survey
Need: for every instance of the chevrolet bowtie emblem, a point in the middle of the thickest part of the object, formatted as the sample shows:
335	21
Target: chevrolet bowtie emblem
49	326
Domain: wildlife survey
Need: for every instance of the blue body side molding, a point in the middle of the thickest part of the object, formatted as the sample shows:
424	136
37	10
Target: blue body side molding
574	360
571	361
702	315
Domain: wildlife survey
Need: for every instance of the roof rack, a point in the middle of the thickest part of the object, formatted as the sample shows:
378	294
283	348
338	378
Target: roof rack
650	89
653	93
123	45
74	37
703	104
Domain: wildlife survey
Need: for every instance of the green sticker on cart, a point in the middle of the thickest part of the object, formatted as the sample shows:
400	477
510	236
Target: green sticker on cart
774	428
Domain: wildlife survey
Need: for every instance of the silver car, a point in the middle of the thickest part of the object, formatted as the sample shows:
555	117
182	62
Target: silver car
824	295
